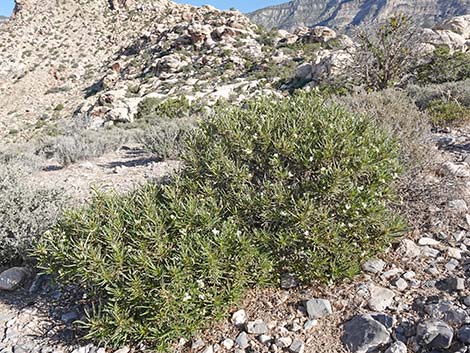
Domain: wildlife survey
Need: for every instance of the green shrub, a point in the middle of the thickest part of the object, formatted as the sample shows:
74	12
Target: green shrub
165	139
447	112
445	66
293	185
26	212
451	91
151	109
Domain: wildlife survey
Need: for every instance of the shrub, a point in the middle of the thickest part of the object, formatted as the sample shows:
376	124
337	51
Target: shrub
386	54
445	66
293	185
165	139
69	149
26	212
395	112
451	91
151	109
447	112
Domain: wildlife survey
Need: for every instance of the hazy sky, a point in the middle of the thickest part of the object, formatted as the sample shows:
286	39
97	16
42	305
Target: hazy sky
6	6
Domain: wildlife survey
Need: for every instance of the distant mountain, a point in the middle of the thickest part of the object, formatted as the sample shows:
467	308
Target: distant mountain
343	14
3	19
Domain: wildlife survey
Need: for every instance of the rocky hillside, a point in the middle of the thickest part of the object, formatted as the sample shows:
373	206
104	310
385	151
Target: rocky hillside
85	57
341	14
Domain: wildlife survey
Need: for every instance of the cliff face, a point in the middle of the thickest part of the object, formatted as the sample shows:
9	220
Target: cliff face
343	14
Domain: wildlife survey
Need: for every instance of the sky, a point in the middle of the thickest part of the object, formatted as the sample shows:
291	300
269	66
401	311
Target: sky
6	6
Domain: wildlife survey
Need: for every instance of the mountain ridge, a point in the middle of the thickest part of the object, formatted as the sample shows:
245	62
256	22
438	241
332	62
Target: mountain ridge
344	14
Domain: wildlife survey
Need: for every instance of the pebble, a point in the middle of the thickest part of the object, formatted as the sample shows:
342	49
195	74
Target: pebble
409	249
391	273
430	252
265	339
197	344
428	241
381	298
227	343
283	342
242	340
318	308
257	327
464	334
374	266
454	253
208	349
239	317
401	284
309	324
297	346
459	206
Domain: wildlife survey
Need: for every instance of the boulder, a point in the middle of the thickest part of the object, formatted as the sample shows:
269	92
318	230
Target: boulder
446	38
459	25
318	34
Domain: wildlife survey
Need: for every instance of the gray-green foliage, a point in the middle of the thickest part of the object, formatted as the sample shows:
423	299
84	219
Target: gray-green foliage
26	212
293	185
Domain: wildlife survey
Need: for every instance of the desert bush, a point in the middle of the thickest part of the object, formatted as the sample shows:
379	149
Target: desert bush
386	54
82	145
165	139
424	95
153	109
290	186
395	112
26	212
445	66
444	112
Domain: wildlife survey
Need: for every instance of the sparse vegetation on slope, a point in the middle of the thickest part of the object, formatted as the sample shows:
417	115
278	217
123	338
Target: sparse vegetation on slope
294	186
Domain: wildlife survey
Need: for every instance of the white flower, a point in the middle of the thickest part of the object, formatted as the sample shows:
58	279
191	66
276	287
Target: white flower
186	297
202	296
290	175
215	231
239	232
200	283
283	213
311	159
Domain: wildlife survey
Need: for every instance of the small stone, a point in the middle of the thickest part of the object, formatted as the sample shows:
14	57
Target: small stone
447	312
452	265
374	266
197	344
427	241
391	273
257	327
430	252
12	278
317	308
409	275
456	283
283	342
401	284
381	298
459	206
295	327
466	301
242	340
309	324
297	346
397	347
464	334
227	343
435	334
239	317
265	339
409	249
364	334
454	253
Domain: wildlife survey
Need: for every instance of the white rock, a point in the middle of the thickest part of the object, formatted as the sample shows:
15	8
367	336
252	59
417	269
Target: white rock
227	343
428	241
454	253
397	347
374	266
381	298
239	317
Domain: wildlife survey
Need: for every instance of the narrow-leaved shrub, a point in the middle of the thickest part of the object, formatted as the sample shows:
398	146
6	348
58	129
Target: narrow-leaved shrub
294	185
